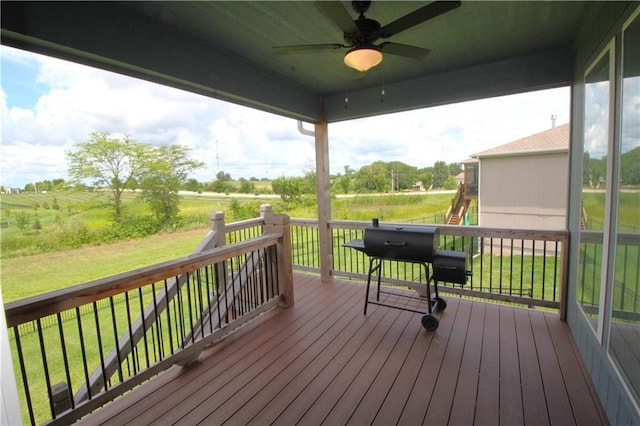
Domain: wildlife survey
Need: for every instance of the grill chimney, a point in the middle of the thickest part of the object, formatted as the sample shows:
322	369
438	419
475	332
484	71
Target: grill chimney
553	121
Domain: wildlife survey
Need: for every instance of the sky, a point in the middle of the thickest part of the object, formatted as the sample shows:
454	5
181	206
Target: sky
48	105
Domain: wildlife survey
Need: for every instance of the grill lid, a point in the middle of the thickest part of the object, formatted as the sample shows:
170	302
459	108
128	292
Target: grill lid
401	242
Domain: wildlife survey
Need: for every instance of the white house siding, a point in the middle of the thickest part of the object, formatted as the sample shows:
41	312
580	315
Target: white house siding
524	191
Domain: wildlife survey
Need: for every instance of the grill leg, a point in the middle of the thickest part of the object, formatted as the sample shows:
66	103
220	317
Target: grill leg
379	278
429	278
372	269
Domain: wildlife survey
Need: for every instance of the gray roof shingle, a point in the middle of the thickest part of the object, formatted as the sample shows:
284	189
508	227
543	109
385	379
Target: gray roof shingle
553	140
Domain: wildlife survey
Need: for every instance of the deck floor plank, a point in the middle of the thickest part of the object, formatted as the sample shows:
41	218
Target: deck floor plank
577	384
511	411
424	388
533	398
312	393
405	382
440	405
248	370
373	400
487	410
292	365
464	400
323	362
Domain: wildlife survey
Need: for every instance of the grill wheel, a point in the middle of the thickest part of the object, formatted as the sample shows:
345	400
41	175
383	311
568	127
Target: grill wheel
430	322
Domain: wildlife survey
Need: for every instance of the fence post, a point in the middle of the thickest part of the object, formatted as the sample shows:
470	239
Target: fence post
280	223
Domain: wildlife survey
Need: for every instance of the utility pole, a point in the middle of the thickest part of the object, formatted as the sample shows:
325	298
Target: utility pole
217	157
392	179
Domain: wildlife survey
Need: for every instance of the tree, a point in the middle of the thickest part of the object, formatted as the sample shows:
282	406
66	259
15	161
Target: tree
221	176
450	183
246	187
193	185
163	171
373	178
440	174
288	188
426	178
343	183
110	162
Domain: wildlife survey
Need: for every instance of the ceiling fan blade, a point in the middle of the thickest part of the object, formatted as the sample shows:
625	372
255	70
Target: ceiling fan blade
405	50
339	15
418	16
306	48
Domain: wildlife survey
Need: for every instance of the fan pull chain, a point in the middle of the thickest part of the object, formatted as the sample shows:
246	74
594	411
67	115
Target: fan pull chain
382	93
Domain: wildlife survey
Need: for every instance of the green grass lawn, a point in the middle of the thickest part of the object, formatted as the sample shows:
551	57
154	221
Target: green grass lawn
30	275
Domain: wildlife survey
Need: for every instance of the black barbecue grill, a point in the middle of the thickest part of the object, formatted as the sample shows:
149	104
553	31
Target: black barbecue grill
414	244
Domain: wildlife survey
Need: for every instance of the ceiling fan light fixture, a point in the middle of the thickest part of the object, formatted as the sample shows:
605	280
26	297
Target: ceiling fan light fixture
363	58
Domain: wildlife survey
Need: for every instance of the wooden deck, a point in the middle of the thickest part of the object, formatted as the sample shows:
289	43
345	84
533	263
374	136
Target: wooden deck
324	362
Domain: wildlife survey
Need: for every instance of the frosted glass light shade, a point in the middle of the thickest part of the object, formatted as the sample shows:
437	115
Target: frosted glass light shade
363	58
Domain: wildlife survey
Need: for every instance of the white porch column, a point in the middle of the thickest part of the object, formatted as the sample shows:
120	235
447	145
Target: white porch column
324	199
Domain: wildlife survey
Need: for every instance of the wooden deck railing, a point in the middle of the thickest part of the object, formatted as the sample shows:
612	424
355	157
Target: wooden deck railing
528	267
86	345
80	347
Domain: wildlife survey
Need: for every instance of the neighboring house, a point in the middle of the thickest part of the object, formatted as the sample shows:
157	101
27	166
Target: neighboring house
524	184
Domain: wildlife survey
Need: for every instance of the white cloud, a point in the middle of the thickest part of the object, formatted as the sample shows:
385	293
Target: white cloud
79	100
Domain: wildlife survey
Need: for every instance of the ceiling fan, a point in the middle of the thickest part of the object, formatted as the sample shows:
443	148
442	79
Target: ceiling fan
361	34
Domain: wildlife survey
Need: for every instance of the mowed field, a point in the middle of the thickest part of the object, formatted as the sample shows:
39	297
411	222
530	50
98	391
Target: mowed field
31	274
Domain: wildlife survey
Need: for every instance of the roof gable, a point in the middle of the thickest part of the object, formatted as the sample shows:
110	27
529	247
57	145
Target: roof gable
553	140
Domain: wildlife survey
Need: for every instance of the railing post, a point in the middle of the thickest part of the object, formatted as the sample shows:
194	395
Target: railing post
266	211
216	222
276	223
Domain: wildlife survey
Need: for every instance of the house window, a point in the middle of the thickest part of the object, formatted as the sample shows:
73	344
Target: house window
597	117
625	315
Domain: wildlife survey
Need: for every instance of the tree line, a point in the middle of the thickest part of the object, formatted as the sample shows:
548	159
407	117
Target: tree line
594	170
159	173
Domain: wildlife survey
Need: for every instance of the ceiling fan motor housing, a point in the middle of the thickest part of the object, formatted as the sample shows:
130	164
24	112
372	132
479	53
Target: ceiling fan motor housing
368	32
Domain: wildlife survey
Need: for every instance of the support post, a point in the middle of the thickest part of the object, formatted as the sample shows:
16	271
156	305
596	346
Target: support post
324	199
276	223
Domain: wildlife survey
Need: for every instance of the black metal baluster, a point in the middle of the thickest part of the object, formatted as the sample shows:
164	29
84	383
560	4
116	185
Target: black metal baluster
521	267
133	349
190	306
544	267
65	359
533	266
115	337
45	367
168	311
23	373
511	267
144	326
501	257
84	352
99	336
155	327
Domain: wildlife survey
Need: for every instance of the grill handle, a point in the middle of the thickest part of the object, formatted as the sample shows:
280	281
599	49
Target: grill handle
392	244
